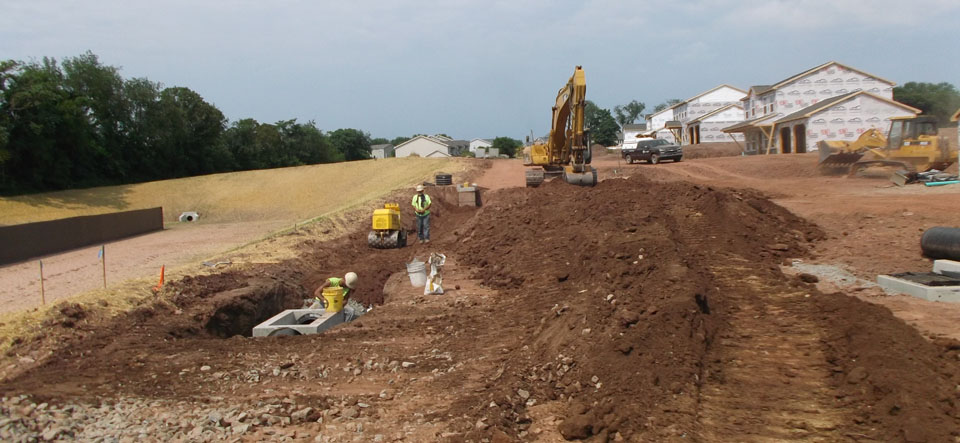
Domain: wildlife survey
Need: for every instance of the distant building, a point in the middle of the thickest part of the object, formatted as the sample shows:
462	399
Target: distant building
693	108
792	116
657	121
691	113
631	134
432	146
480	144
708	128
381	151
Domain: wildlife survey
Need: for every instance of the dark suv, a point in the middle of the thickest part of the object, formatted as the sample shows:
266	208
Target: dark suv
653	151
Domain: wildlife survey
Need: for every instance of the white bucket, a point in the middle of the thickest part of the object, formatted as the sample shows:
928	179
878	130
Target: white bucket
418	273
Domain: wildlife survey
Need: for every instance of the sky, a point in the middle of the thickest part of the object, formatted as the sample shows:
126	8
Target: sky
477	68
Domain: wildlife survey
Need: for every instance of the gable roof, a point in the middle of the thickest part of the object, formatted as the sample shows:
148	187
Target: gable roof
383	146
707	92
711	114
825	65
956	116
668	108
824	104
425	137
756	90
635	126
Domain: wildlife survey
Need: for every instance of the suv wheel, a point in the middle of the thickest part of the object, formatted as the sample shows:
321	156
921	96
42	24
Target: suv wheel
629	158
654	158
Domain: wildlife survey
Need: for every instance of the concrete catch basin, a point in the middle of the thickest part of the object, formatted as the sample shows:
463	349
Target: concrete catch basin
298	322
941	285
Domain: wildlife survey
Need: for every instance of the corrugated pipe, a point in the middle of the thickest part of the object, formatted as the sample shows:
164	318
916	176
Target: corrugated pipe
941	242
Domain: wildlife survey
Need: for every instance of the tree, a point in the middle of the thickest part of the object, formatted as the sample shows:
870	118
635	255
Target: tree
603	128
352	143
189	138
379	141
506	146
628	113
666	104
398	140
940	100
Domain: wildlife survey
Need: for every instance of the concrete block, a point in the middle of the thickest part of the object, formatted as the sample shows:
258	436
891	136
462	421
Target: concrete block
897	285
947	267
292	318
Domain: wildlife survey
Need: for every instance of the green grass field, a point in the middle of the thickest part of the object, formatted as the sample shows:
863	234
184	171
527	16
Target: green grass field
296	193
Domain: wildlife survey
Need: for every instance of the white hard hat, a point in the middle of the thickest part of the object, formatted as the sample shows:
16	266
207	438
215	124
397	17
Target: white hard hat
351	279
419	188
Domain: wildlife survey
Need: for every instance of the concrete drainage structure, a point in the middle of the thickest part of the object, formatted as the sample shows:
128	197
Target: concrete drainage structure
943	284
298	322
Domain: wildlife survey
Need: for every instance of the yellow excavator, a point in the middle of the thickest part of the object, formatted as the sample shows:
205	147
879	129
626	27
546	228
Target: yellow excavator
913	145
567	151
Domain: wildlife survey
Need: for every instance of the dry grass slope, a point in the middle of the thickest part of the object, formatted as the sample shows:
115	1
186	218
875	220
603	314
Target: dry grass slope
292	194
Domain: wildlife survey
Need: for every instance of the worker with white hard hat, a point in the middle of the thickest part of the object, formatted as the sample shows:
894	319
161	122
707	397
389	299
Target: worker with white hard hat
421	205
348	282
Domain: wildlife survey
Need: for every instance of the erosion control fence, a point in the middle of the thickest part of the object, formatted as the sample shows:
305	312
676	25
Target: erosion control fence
22	242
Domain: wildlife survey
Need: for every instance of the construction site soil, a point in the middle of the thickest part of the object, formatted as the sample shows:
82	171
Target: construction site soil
633	311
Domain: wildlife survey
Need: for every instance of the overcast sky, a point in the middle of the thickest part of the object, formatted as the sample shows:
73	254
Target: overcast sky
481	68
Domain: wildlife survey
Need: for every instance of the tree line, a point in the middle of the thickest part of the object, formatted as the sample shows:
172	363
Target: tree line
79	124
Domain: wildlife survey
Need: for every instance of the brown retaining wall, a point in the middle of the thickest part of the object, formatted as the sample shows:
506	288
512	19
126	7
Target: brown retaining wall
30	240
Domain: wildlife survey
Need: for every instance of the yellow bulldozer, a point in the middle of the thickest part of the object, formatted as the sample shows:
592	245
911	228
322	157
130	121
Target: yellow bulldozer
913	145
387	230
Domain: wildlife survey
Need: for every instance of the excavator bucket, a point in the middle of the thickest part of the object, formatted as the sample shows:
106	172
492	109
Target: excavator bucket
586	178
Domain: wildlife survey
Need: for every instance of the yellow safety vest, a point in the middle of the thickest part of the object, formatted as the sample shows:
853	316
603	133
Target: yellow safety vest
418	205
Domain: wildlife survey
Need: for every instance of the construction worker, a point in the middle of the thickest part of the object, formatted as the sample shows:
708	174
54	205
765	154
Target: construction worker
421	205
347	283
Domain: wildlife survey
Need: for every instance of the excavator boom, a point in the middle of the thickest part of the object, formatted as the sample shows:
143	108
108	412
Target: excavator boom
566	151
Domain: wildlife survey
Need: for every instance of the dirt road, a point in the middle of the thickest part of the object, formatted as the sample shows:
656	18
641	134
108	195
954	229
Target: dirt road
638	310
81	270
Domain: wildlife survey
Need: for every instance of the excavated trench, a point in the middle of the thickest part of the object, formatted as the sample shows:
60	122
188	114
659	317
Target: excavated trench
237	311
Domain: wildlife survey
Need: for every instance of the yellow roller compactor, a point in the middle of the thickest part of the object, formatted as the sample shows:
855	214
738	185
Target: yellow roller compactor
913	145
387	231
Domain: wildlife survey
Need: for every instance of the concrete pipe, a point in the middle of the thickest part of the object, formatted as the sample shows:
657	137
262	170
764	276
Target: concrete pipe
941	243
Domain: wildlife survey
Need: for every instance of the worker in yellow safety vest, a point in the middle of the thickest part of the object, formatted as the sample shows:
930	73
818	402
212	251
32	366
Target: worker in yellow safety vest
421	205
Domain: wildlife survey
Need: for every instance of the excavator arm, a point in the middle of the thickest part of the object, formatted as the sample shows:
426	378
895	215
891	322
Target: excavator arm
566	151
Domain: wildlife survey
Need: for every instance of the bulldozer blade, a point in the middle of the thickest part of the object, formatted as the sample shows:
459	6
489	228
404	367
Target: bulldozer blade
840	160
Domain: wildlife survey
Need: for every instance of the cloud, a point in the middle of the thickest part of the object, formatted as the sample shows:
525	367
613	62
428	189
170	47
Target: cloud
819	14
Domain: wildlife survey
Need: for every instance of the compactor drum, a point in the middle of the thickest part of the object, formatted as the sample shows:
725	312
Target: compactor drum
387	231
